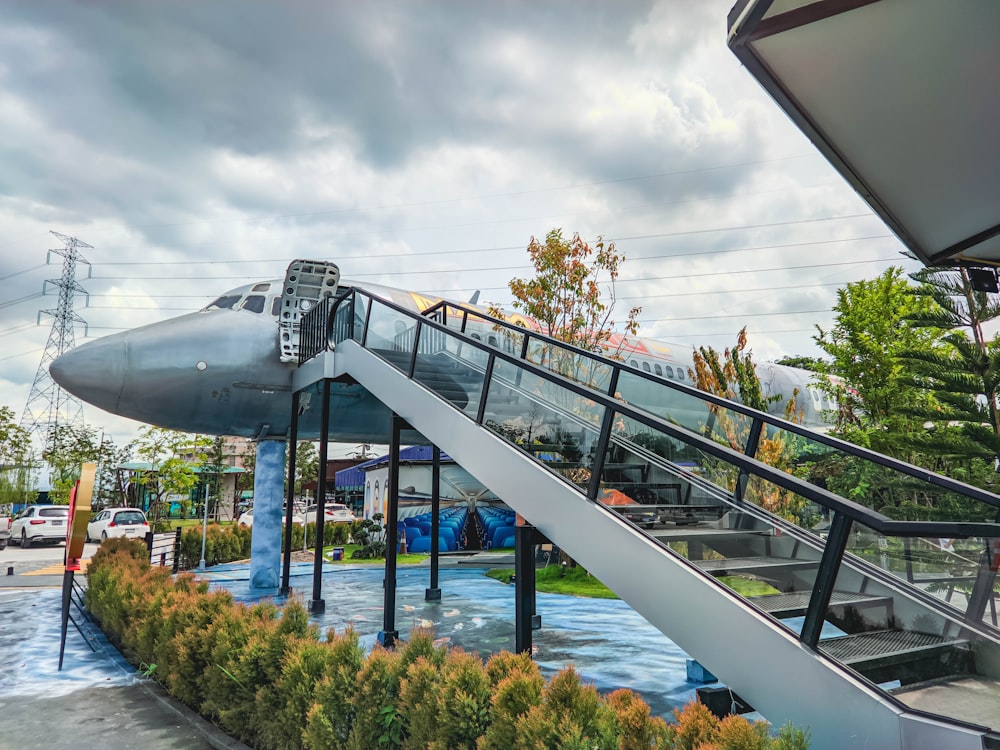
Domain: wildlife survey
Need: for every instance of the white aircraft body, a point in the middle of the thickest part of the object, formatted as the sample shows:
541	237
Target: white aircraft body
221	371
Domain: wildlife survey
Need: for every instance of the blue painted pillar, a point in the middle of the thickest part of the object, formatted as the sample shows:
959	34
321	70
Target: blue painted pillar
268	495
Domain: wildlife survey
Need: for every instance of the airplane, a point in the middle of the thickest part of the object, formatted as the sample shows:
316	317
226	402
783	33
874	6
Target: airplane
226	369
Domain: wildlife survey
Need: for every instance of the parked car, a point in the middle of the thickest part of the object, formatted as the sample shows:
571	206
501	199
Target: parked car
298	517
115	522
39	523
332	513
5	521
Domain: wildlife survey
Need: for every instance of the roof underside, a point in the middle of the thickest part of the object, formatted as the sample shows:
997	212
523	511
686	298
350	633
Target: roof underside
902	97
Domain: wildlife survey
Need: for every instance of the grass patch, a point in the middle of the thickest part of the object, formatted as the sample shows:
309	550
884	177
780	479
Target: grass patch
550	580
748	586
407	559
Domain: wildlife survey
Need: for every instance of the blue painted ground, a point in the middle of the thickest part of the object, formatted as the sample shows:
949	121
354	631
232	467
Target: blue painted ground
608	643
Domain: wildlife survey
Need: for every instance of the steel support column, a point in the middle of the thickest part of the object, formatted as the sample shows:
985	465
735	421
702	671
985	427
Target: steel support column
317	603
433	592
389	635
524	587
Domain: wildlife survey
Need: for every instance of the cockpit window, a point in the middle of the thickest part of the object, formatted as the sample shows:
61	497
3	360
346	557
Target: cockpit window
254	303
225	302
275	306
260	287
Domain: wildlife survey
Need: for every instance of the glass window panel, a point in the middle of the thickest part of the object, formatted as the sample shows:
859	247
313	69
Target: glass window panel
887	490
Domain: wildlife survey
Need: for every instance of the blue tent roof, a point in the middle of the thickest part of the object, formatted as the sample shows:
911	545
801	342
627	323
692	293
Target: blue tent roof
355	476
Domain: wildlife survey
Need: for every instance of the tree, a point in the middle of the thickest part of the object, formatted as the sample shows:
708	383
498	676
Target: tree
306	465
69	447
572	298
802	362
963	374
244	481
15	459
866	374
733	376
172	457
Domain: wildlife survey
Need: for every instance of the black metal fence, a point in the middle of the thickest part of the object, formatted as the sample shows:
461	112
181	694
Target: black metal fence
164	549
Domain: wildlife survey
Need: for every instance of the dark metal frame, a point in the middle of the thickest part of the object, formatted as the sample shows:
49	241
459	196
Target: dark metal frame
845	512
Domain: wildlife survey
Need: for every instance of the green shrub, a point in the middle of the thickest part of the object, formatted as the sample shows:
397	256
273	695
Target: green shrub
517	688
570	716
419	704
464	705
265	676
331	717
375	701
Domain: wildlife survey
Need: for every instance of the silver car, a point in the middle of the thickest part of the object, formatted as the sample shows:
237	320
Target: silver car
40	523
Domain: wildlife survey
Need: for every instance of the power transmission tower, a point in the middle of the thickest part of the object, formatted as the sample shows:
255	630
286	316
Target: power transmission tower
49	406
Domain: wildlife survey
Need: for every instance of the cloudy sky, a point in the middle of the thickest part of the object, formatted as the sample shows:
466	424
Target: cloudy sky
199	145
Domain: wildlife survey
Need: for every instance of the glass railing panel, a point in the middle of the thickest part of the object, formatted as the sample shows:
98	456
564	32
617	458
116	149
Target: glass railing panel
571	364
551	423
688	410
925	656
790	506
451	367
350	311
946	568
882	488
391	334
708	468
640	481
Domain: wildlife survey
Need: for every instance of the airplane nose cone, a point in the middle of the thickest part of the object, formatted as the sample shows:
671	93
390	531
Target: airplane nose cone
93	372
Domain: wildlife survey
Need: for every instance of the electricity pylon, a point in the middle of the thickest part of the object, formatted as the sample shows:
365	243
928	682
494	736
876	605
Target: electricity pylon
49	406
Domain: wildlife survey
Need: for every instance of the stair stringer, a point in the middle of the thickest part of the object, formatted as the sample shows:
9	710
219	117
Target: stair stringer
762	662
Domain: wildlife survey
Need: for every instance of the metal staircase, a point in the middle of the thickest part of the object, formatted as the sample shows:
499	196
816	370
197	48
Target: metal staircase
872	636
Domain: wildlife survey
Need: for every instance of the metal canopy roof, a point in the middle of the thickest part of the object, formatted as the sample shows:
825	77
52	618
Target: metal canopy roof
903	98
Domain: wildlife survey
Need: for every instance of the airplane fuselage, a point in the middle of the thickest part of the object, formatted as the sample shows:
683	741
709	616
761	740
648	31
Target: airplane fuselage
218	371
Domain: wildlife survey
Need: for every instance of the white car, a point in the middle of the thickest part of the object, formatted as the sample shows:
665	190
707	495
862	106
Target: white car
332	513
40	523
112	522
298	517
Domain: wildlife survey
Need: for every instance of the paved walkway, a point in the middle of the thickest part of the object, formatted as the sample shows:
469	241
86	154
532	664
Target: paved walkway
98	699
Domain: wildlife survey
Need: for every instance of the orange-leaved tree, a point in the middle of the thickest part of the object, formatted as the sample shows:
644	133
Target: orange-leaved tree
733	376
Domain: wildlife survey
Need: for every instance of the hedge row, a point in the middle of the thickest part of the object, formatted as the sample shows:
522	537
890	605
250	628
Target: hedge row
232	542
267	677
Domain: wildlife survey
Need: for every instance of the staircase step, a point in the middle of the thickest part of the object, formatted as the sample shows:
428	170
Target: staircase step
795	603
884	655
735	565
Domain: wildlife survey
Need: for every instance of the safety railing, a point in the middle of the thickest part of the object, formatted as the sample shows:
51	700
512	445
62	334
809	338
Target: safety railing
599	425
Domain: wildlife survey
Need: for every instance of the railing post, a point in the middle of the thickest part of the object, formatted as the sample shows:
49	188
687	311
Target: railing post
368	317
826	578
413	351
603	440
753	441
487	377
177	549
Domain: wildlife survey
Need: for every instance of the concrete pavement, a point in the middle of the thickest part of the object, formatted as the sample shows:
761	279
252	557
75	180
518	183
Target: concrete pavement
97	700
